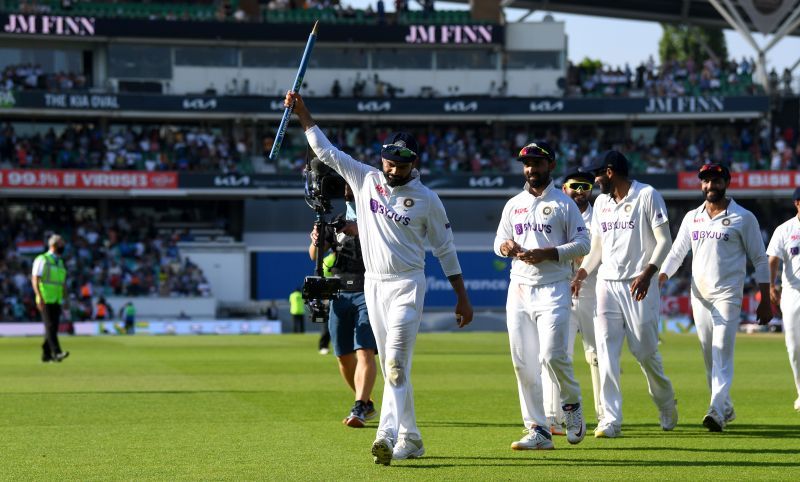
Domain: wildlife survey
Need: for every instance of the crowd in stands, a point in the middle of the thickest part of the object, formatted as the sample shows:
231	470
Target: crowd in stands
150	148
29	76
125	256
671	79
477	149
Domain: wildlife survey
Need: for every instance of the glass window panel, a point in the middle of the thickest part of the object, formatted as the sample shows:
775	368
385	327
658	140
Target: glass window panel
402	59
207	56
543	59
50	60
139	61
281	57
466	59
337	58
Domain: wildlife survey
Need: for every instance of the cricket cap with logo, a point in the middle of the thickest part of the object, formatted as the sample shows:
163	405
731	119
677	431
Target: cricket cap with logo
537	150
613	159
400	147
712	170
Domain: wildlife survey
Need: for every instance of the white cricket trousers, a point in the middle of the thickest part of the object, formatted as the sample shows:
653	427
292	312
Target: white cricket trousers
619	316
790	307
717	321
581	318
538	328
395	310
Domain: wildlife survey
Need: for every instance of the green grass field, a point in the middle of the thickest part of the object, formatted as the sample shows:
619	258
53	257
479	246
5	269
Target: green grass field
270	407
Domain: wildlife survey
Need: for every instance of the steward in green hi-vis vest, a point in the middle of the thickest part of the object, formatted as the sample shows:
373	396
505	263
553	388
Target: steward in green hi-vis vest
51	283
296	305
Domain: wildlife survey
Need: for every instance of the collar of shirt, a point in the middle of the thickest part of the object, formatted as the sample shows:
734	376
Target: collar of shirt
545	193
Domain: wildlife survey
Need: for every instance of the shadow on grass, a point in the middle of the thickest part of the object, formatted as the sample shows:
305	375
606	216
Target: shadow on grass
521	461
136	392
697	430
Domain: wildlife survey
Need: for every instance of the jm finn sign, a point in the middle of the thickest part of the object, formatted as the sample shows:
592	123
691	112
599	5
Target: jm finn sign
50	25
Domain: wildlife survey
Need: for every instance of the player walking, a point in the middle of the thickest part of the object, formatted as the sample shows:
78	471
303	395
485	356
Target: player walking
578	186
721	235
630	235
397	216
542	229
785	247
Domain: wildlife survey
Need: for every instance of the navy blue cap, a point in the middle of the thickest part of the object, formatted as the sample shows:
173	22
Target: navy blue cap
538	149
613	159
580	176
400	147
796	195
713	169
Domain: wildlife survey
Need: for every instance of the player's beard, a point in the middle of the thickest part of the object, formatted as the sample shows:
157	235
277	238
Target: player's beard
540	181
582	202
605	185
395	181
714	195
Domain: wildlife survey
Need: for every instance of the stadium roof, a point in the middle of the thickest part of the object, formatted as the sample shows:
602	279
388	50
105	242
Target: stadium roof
696	12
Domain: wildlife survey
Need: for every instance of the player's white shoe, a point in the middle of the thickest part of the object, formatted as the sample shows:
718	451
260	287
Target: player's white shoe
669	416
407	448
382	448
730	416
576	424
535	438
607	430
556	427
713	422
797	404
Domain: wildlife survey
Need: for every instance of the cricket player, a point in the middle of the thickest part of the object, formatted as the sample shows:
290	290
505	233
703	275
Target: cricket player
397	215
577	185
630	235
543	231
785	247
722	236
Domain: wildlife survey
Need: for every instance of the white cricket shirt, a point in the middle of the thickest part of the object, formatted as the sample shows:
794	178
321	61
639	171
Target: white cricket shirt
626	230
550	220
785	244
720	249
591	281
393	222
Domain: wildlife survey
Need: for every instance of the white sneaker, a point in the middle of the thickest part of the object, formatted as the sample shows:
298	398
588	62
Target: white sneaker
324	351
797	404
535	439
713	422
576	424
607	430
407	448
669	416
382	448
730	416
556	427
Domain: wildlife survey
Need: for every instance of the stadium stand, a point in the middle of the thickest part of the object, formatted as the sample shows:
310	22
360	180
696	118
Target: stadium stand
30	76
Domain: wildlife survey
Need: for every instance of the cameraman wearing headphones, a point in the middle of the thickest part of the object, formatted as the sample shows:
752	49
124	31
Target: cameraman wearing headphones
353	342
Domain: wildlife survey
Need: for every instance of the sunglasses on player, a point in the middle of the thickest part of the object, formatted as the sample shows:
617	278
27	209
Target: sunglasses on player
580	186
401	151
533	150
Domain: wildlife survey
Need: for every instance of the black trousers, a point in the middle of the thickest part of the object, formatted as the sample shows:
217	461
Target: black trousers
129	327
51	317
325	337
299	323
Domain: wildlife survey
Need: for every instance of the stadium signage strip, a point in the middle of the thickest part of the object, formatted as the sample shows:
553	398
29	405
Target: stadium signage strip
88	27
75	179
401	106
767	180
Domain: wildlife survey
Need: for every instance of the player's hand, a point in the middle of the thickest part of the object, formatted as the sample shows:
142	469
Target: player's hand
641	285
532	256
662	278
775	295
463	312
510	248
764	312
577	282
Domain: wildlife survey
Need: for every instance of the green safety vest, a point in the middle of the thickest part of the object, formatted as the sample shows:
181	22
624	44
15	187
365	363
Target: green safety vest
51	283
296	306
130	311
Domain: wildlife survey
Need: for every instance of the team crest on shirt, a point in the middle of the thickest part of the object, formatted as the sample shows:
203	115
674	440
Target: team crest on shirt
628	208
794	251
547	211
726	222
408	202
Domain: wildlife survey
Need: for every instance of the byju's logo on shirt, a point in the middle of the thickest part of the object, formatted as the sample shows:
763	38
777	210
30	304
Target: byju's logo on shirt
610	226
378	208
535	227
697	235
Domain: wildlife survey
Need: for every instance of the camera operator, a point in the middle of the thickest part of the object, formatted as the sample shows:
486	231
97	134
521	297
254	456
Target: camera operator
353	342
